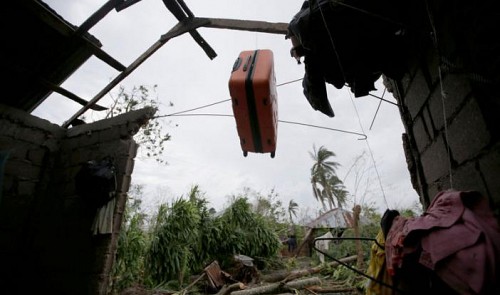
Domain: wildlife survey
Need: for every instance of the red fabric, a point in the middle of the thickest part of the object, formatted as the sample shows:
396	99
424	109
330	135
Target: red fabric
458	237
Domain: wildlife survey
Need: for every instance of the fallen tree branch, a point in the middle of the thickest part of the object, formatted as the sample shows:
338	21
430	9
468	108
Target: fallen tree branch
298	284
193	283
291	275
227	289
319	289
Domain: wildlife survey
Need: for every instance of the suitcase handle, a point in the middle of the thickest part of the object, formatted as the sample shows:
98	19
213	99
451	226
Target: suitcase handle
236	64
245	67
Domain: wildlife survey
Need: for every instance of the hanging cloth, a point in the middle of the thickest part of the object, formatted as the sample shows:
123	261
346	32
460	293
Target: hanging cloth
457	237
376	269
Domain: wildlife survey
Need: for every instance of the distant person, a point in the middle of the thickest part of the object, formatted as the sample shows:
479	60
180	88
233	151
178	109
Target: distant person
292	243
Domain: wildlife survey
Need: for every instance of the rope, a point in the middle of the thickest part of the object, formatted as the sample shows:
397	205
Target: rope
443	94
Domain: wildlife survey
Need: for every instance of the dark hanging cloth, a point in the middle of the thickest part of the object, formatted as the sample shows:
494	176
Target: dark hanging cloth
4	155
345	43
457	238
96	182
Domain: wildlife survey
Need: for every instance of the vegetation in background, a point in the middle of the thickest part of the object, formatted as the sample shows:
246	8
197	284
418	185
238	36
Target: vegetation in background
182	237
185	236
128	268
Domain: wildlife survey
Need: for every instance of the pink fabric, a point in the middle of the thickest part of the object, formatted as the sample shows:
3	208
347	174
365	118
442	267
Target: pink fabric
459	239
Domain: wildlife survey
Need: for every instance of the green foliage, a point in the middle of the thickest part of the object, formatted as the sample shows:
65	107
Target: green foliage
175	234
128	268
151	138
291	263
186	235
239	230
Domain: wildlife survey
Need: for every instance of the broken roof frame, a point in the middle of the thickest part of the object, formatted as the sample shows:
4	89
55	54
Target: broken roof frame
188	23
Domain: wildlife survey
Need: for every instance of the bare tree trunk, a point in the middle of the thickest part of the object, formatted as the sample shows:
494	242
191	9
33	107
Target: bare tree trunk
356	212
299	284
287	276
306	239
227	289
319	289
193	283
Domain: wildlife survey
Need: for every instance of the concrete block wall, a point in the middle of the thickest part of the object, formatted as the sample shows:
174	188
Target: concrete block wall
45	227
449	104
31	144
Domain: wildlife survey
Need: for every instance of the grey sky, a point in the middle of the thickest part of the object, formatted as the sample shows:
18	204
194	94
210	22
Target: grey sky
205	150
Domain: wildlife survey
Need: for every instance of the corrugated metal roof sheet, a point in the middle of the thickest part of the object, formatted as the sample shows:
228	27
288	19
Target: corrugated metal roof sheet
335	218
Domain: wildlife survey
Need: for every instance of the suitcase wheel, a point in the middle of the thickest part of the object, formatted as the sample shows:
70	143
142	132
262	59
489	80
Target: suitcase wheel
245	153
273	154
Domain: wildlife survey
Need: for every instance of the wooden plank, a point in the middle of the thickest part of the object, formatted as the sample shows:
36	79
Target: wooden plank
182	27
246	25
70	95
182	12
96	17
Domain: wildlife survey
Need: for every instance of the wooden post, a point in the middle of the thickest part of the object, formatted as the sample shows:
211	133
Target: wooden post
356	212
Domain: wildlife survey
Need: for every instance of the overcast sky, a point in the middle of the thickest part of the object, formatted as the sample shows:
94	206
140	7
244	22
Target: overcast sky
205	150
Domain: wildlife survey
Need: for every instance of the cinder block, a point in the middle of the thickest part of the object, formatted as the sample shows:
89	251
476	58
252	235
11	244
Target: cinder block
36	156
420	134
417	95
22	169
432	190
31	135
456	88
26	189
7	128
467	133
109	134
75	157
428	122
18	150
435	161
88	139
467	177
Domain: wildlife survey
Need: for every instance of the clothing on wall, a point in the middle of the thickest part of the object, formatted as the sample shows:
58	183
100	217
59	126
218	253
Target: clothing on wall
457	237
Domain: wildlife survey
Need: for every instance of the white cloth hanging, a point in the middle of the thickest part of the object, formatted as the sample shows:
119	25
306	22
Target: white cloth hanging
323	245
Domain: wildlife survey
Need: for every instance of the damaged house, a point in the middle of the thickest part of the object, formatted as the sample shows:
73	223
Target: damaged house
440	61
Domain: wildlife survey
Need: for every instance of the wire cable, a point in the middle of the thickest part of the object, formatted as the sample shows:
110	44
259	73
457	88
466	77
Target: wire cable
354	105
180	114
378	108
443	94
289	82
193	109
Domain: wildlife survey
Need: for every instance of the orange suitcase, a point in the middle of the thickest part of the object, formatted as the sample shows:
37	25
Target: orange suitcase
252	87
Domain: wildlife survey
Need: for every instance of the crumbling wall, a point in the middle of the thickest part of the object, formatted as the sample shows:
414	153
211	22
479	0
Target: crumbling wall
46	237
449	103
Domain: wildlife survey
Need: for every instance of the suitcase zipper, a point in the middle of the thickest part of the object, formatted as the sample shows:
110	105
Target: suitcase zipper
252	104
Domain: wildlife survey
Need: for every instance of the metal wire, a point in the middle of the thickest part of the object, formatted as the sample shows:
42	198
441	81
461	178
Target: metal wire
352	268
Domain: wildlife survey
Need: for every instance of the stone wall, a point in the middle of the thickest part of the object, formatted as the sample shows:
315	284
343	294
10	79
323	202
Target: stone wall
46	242
449	104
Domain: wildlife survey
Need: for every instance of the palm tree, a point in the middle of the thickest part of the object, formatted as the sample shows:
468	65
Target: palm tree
292	209
322	170
337	190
